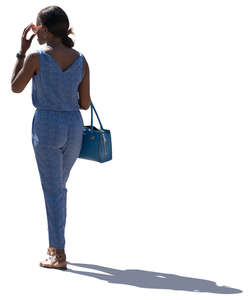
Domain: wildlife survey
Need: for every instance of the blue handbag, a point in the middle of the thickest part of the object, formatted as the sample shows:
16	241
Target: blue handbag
96	143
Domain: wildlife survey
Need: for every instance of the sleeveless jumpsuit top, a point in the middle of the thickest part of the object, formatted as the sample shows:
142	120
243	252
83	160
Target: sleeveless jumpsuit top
55	89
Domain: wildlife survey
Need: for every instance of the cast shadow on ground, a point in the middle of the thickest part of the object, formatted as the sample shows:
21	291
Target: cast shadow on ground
153	280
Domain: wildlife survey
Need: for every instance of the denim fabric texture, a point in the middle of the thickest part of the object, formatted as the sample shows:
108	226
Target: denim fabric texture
57	130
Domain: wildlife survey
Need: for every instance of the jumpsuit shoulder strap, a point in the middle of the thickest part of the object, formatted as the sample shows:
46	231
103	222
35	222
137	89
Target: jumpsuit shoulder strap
41	59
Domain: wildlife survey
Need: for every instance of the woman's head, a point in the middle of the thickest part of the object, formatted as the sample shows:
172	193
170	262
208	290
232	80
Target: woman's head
55	26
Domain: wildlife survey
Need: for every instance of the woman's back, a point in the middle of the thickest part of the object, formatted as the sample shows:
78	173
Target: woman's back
55	84
63	57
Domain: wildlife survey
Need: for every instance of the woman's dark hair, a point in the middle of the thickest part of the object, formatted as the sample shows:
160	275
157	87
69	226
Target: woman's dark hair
57	22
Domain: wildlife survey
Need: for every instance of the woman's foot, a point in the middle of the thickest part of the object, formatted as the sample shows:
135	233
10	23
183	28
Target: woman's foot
56	259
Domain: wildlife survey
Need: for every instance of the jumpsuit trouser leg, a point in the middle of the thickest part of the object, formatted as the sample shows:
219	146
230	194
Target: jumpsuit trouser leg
56	139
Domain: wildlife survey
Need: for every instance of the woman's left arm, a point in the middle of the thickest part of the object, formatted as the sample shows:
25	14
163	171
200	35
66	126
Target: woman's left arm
24	69
23	72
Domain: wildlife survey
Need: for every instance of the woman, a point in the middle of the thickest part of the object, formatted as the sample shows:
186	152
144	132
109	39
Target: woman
60	88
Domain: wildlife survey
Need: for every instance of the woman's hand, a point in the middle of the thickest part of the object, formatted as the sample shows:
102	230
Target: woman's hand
25	44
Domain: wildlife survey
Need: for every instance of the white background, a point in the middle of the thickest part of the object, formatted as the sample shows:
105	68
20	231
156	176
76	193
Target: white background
169	214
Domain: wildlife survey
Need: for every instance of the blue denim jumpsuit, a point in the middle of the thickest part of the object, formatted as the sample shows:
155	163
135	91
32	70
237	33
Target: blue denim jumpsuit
57	128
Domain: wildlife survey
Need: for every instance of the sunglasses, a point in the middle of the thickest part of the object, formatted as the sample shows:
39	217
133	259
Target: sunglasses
35	28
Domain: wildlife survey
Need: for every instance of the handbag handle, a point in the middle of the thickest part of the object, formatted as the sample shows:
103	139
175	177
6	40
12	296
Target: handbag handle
92	106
